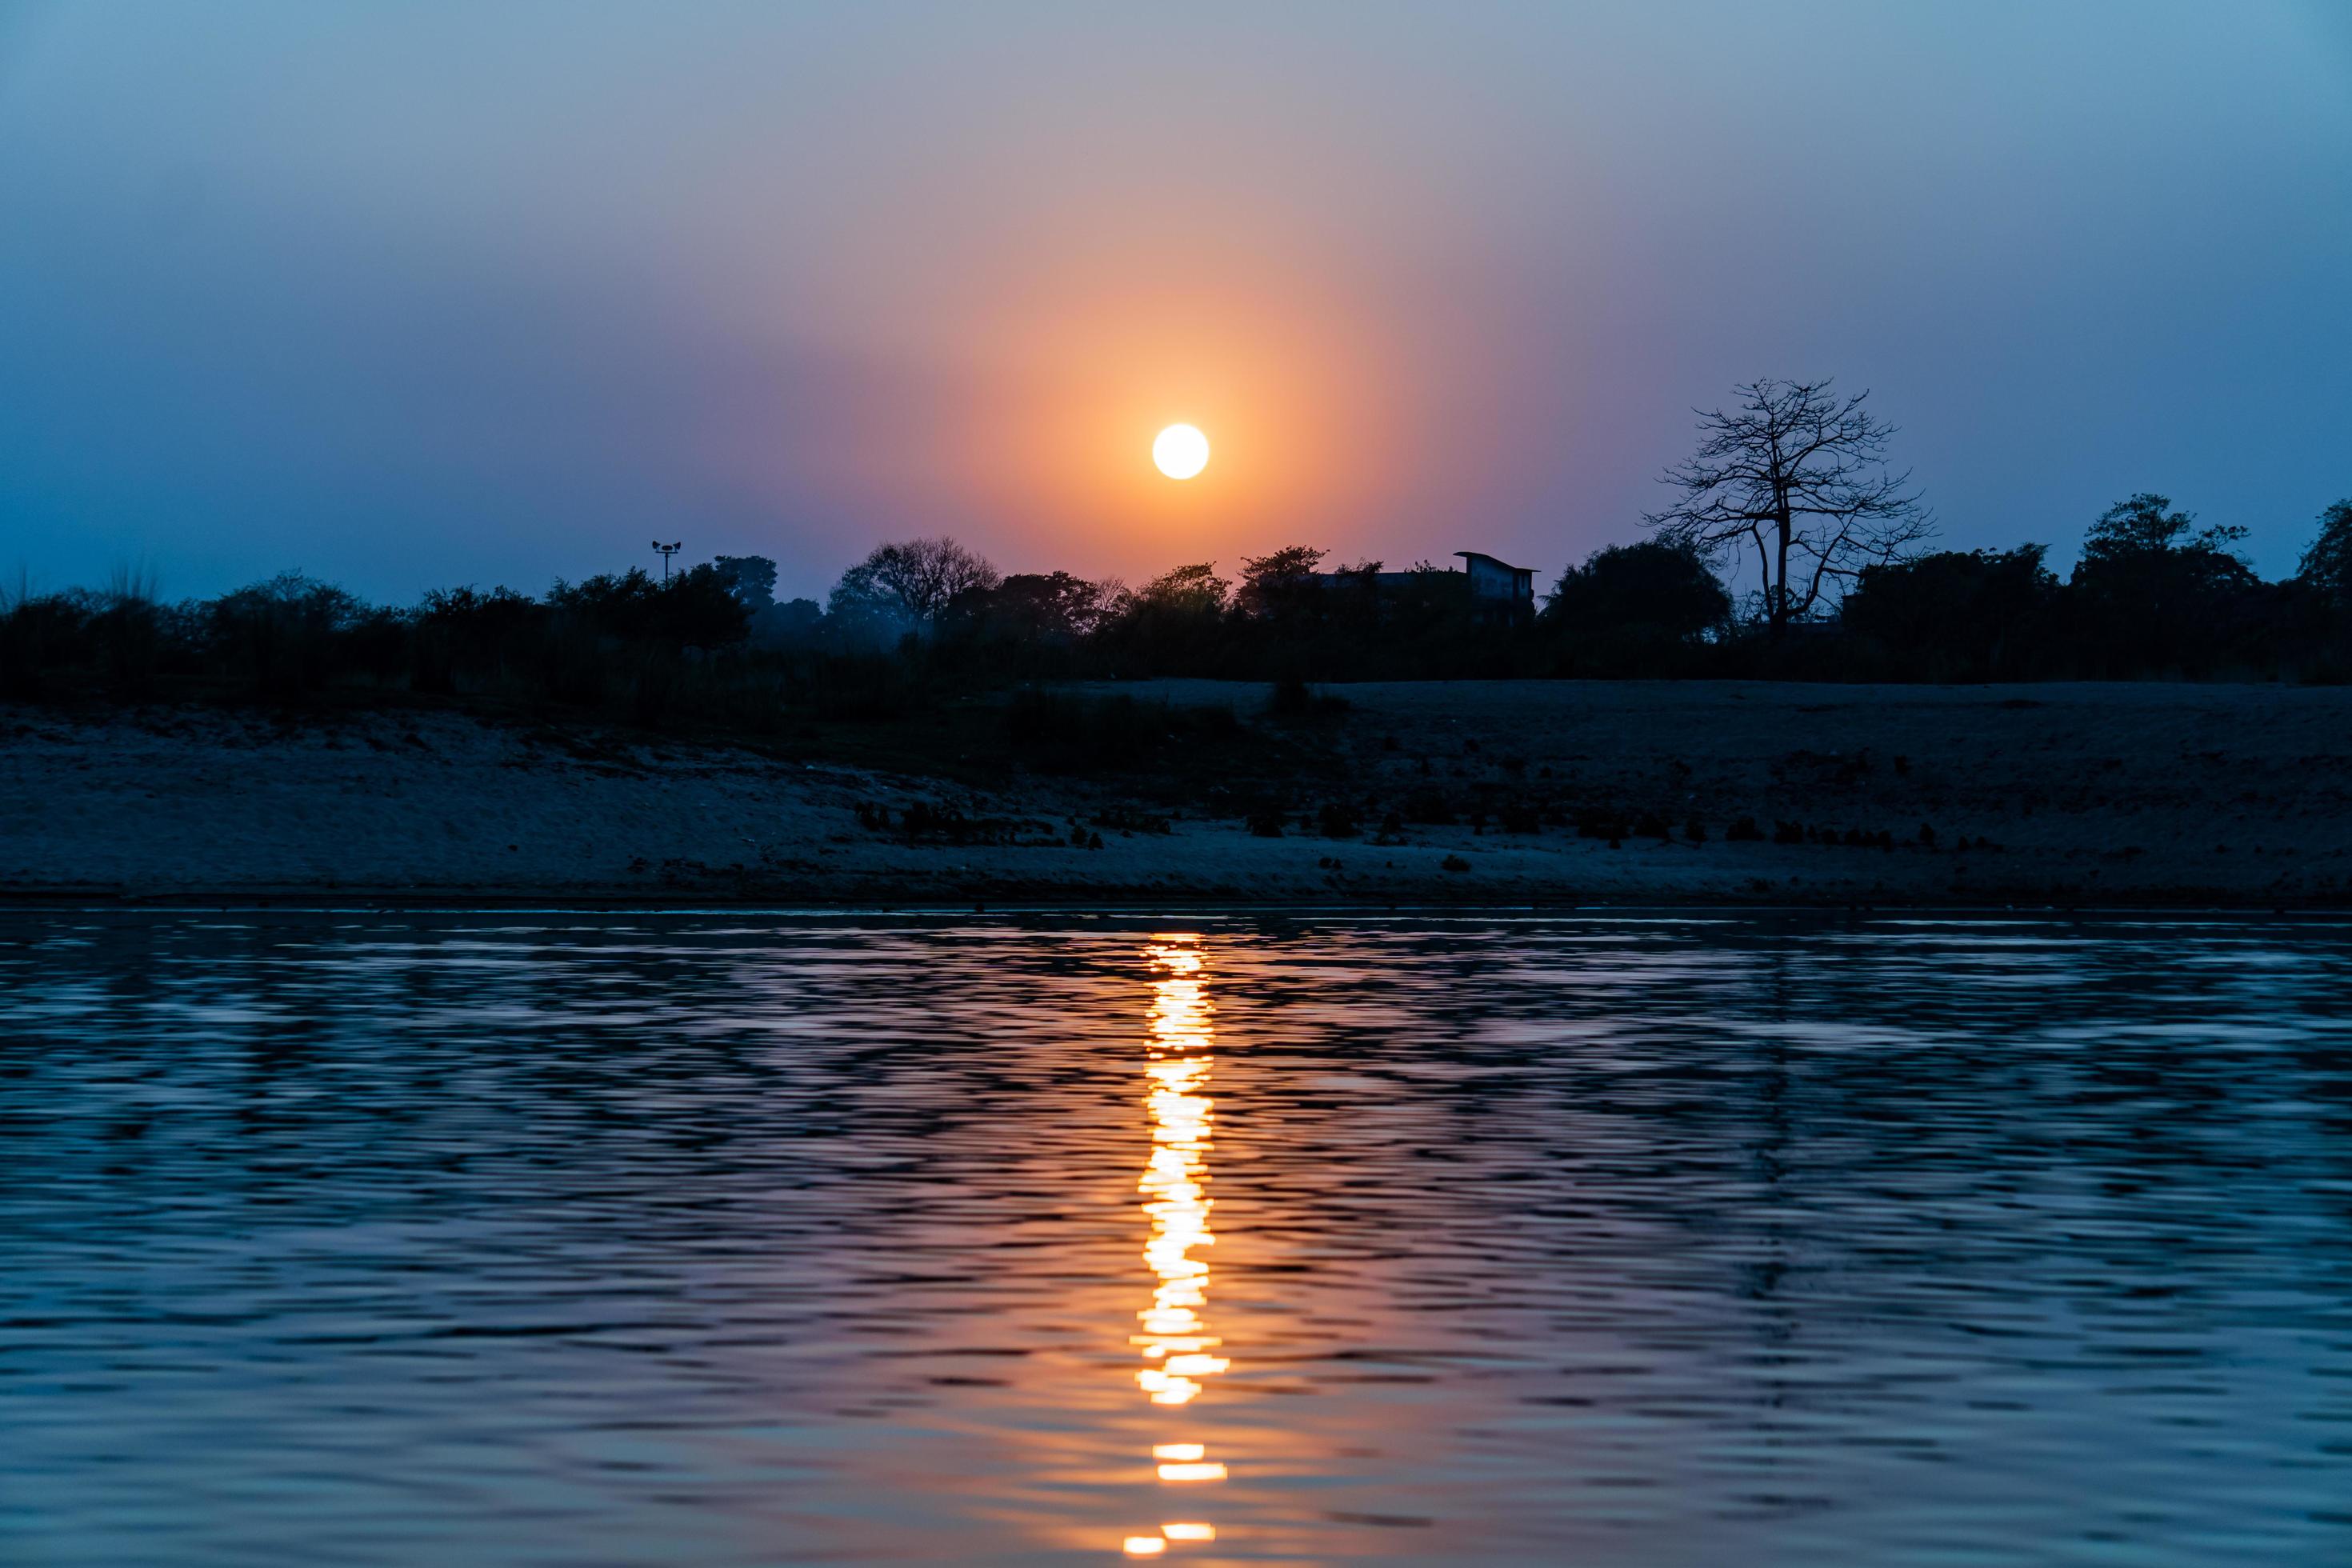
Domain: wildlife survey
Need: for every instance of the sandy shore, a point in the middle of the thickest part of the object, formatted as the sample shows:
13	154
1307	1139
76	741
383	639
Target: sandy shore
2068	794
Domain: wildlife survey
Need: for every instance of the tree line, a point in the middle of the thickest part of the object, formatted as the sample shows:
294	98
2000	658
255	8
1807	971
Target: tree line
1791	487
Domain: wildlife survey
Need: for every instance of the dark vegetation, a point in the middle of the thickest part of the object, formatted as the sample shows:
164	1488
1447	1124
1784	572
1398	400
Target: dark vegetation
2153	596
1790	489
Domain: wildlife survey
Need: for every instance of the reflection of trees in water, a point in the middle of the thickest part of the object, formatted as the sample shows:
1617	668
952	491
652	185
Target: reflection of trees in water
1803	1131
1809	1082
1689	1171
466	1063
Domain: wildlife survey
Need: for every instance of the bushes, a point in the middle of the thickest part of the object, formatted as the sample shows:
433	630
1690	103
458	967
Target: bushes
2152	595
1599	821
1427	805
1976	615
630	645
652	689
117	642
1066	731
1293	698
38	637
697	608
1127	819
860	688
283	636
129	629
1635	609
1034	719
1520	817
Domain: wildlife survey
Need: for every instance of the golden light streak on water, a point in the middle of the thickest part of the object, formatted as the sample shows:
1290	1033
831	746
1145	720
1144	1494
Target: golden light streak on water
1211	1471
1175	1345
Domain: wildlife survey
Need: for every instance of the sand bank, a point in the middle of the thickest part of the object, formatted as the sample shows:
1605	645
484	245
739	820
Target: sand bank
2070	794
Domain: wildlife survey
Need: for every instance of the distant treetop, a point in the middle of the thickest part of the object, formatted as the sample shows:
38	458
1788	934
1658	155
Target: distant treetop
2328	563
2145	525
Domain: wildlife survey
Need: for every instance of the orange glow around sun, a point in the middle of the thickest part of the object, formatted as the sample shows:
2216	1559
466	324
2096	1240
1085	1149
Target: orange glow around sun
1014	400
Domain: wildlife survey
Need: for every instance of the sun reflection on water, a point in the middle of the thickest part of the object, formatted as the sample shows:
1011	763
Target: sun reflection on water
1178	1350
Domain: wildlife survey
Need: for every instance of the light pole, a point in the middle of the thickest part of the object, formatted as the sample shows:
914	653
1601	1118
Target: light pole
666	551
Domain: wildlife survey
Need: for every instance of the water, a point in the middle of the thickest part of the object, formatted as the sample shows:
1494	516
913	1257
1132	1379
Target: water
724	1239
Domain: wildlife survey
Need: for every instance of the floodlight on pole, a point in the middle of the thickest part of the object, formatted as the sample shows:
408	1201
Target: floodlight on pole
666	551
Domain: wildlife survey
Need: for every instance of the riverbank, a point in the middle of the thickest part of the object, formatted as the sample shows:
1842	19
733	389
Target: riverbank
1450	792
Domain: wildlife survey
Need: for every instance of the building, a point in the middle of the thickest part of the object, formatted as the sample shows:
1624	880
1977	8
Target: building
1498	585
1496	589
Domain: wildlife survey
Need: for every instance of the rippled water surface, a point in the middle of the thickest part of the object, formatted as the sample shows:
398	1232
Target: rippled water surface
731	1239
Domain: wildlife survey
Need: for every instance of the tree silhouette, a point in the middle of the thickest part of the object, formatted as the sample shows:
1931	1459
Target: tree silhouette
1282	583
915	580
1801	477
2328	563
1036	605
2145	525
2153	591
1189	590
1661	591
752	578
1976	614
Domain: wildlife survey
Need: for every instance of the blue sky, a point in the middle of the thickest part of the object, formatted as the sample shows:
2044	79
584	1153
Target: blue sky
413	295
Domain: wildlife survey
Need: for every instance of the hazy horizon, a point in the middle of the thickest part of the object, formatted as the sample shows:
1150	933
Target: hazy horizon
415	297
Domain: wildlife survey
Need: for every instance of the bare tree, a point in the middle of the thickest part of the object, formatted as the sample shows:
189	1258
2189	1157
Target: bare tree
915	580
1802	476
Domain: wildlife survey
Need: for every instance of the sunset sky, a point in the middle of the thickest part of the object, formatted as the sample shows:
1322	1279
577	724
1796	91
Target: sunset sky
414	295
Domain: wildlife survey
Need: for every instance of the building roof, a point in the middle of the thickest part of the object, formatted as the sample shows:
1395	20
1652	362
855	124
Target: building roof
1493	560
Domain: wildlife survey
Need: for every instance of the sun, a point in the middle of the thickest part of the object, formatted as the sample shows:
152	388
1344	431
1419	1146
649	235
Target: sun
1181	451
